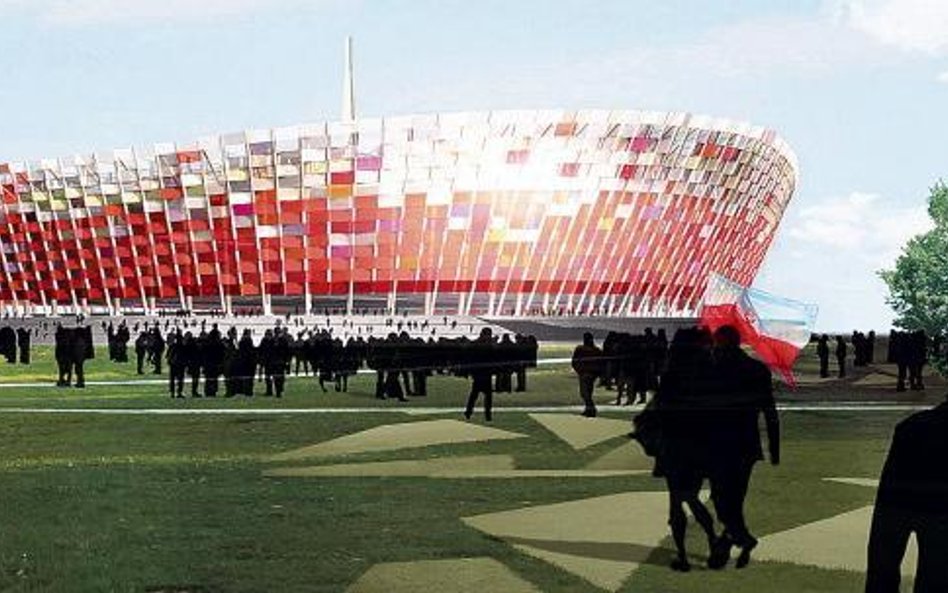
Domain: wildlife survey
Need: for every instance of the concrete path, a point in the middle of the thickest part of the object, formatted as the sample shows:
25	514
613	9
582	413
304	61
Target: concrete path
462	575
393	437
424	411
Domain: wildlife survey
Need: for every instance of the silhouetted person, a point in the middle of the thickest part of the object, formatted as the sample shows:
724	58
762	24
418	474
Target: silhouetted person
685	449
823	352
244	365
506	353
142	343
212	362
193	352
841	356
912	497
900	353
587	362
742	391
481	361
121	343
8	344
177	364
527	357
871	347
917	357
23	344
61	352
157	349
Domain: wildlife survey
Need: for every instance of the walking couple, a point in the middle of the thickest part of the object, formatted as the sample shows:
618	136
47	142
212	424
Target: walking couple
705	417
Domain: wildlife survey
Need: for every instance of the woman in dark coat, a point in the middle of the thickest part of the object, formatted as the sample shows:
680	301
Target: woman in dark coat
683	456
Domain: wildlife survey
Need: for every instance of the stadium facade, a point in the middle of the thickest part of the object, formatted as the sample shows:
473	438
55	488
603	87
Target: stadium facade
487	213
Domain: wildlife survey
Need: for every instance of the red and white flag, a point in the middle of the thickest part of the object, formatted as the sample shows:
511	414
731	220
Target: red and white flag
776	328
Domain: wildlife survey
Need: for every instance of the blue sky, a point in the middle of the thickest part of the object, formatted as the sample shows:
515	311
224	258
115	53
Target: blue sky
859	88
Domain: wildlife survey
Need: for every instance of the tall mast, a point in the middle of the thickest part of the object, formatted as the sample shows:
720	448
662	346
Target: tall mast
348	86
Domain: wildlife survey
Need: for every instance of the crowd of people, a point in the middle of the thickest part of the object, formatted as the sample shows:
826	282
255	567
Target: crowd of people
630	364
910	352
402	364
13	342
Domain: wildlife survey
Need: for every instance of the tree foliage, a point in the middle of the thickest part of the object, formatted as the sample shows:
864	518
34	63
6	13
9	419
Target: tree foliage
918	284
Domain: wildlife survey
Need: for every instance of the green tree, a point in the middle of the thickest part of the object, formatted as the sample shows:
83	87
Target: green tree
918	284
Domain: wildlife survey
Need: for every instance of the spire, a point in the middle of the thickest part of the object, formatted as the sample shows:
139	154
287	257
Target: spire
348	88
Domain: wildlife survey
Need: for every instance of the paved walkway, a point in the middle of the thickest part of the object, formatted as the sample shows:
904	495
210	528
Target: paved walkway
164	381
414	410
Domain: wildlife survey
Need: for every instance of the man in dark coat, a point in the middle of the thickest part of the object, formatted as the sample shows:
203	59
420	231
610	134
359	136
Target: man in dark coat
62	351
918	357
157	349
213	362
177	363
280	361
245	365
192	353
588	363
121	343
527	348
742	390
8	344
823	352
841	351
267	360
912	497
480	361
23	344
142	346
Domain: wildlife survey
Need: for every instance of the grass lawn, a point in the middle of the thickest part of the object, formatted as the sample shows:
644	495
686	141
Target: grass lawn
145	503
180	503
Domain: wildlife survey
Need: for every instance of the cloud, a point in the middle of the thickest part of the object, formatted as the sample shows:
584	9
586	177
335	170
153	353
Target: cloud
830	251
90	12
859	225
909	25
662	73
943	77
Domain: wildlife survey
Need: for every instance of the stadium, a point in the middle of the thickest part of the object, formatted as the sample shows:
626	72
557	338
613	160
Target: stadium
500	213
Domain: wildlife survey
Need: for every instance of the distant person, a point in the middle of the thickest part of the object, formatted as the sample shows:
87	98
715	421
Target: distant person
481	360
912	498
157	349
8	344
900	353
587	362
142	346
177	364
918	357
742	391
841	351
23	344
823	352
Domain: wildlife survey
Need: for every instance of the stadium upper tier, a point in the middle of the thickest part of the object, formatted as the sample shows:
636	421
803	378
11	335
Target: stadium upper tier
491	213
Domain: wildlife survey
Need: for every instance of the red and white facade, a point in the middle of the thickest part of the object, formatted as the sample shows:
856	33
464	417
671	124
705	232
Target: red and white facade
485	213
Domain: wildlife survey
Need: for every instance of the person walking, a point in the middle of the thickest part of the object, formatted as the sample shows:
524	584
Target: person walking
481	371
841	351
742	391
587	362
683	455
823	352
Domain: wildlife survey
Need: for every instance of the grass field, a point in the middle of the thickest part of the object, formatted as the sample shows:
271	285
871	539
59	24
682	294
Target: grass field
181	503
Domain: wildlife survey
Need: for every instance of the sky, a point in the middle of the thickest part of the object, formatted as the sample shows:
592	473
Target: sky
858	88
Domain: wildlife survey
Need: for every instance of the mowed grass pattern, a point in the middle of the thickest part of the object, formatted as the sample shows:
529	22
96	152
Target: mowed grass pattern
159	503
179	503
